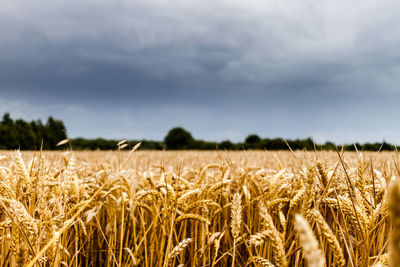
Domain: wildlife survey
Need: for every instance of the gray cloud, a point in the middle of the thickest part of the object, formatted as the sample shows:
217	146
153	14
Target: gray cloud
278	68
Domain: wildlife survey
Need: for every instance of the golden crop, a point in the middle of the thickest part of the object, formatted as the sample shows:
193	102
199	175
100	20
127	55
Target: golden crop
199	209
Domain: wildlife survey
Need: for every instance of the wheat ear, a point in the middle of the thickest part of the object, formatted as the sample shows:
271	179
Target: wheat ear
311	250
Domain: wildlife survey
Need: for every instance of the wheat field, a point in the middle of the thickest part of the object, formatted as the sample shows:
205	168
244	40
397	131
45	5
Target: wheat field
189	208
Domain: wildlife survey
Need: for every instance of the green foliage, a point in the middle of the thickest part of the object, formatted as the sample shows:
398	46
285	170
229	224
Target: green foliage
55	132
25	135
8	133
32	135
107	144
29	135
253	141
178	138
226	145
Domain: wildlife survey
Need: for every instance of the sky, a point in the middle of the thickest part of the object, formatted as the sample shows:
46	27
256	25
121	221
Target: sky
221	69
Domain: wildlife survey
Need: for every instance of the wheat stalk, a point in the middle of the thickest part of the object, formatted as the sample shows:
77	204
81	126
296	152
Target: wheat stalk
330	238
273	234
311	251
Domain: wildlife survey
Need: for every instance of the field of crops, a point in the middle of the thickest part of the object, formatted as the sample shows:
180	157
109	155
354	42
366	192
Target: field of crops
192	208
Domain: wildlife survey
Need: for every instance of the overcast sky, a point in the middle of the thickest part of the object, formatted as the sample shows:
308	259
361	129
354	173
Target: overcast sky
221	69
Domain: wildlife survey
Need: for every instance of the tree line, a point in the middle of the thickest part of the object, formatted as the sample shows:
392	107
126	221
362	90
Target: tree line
19	134
180	139
34	135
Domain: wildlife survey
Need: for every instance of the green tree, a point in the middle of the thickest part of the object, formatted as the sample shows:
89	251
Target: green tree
178	138
8	133
25	135
277	144
54	132
253	141
226	144
38	129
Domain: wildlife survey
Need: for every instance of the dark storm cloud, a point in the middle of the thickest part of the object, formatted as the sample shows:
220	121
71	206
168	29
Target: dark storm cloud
299	65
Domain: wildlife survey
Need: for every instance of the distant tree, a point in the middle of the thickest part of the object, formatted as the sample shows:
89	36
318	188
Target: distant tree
265	143
253	138
386	146
202	145
327	146
352	147
8	133
39	130
253	141
149	145
307	144
55	132
178	138
277	144
25	135
226	144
